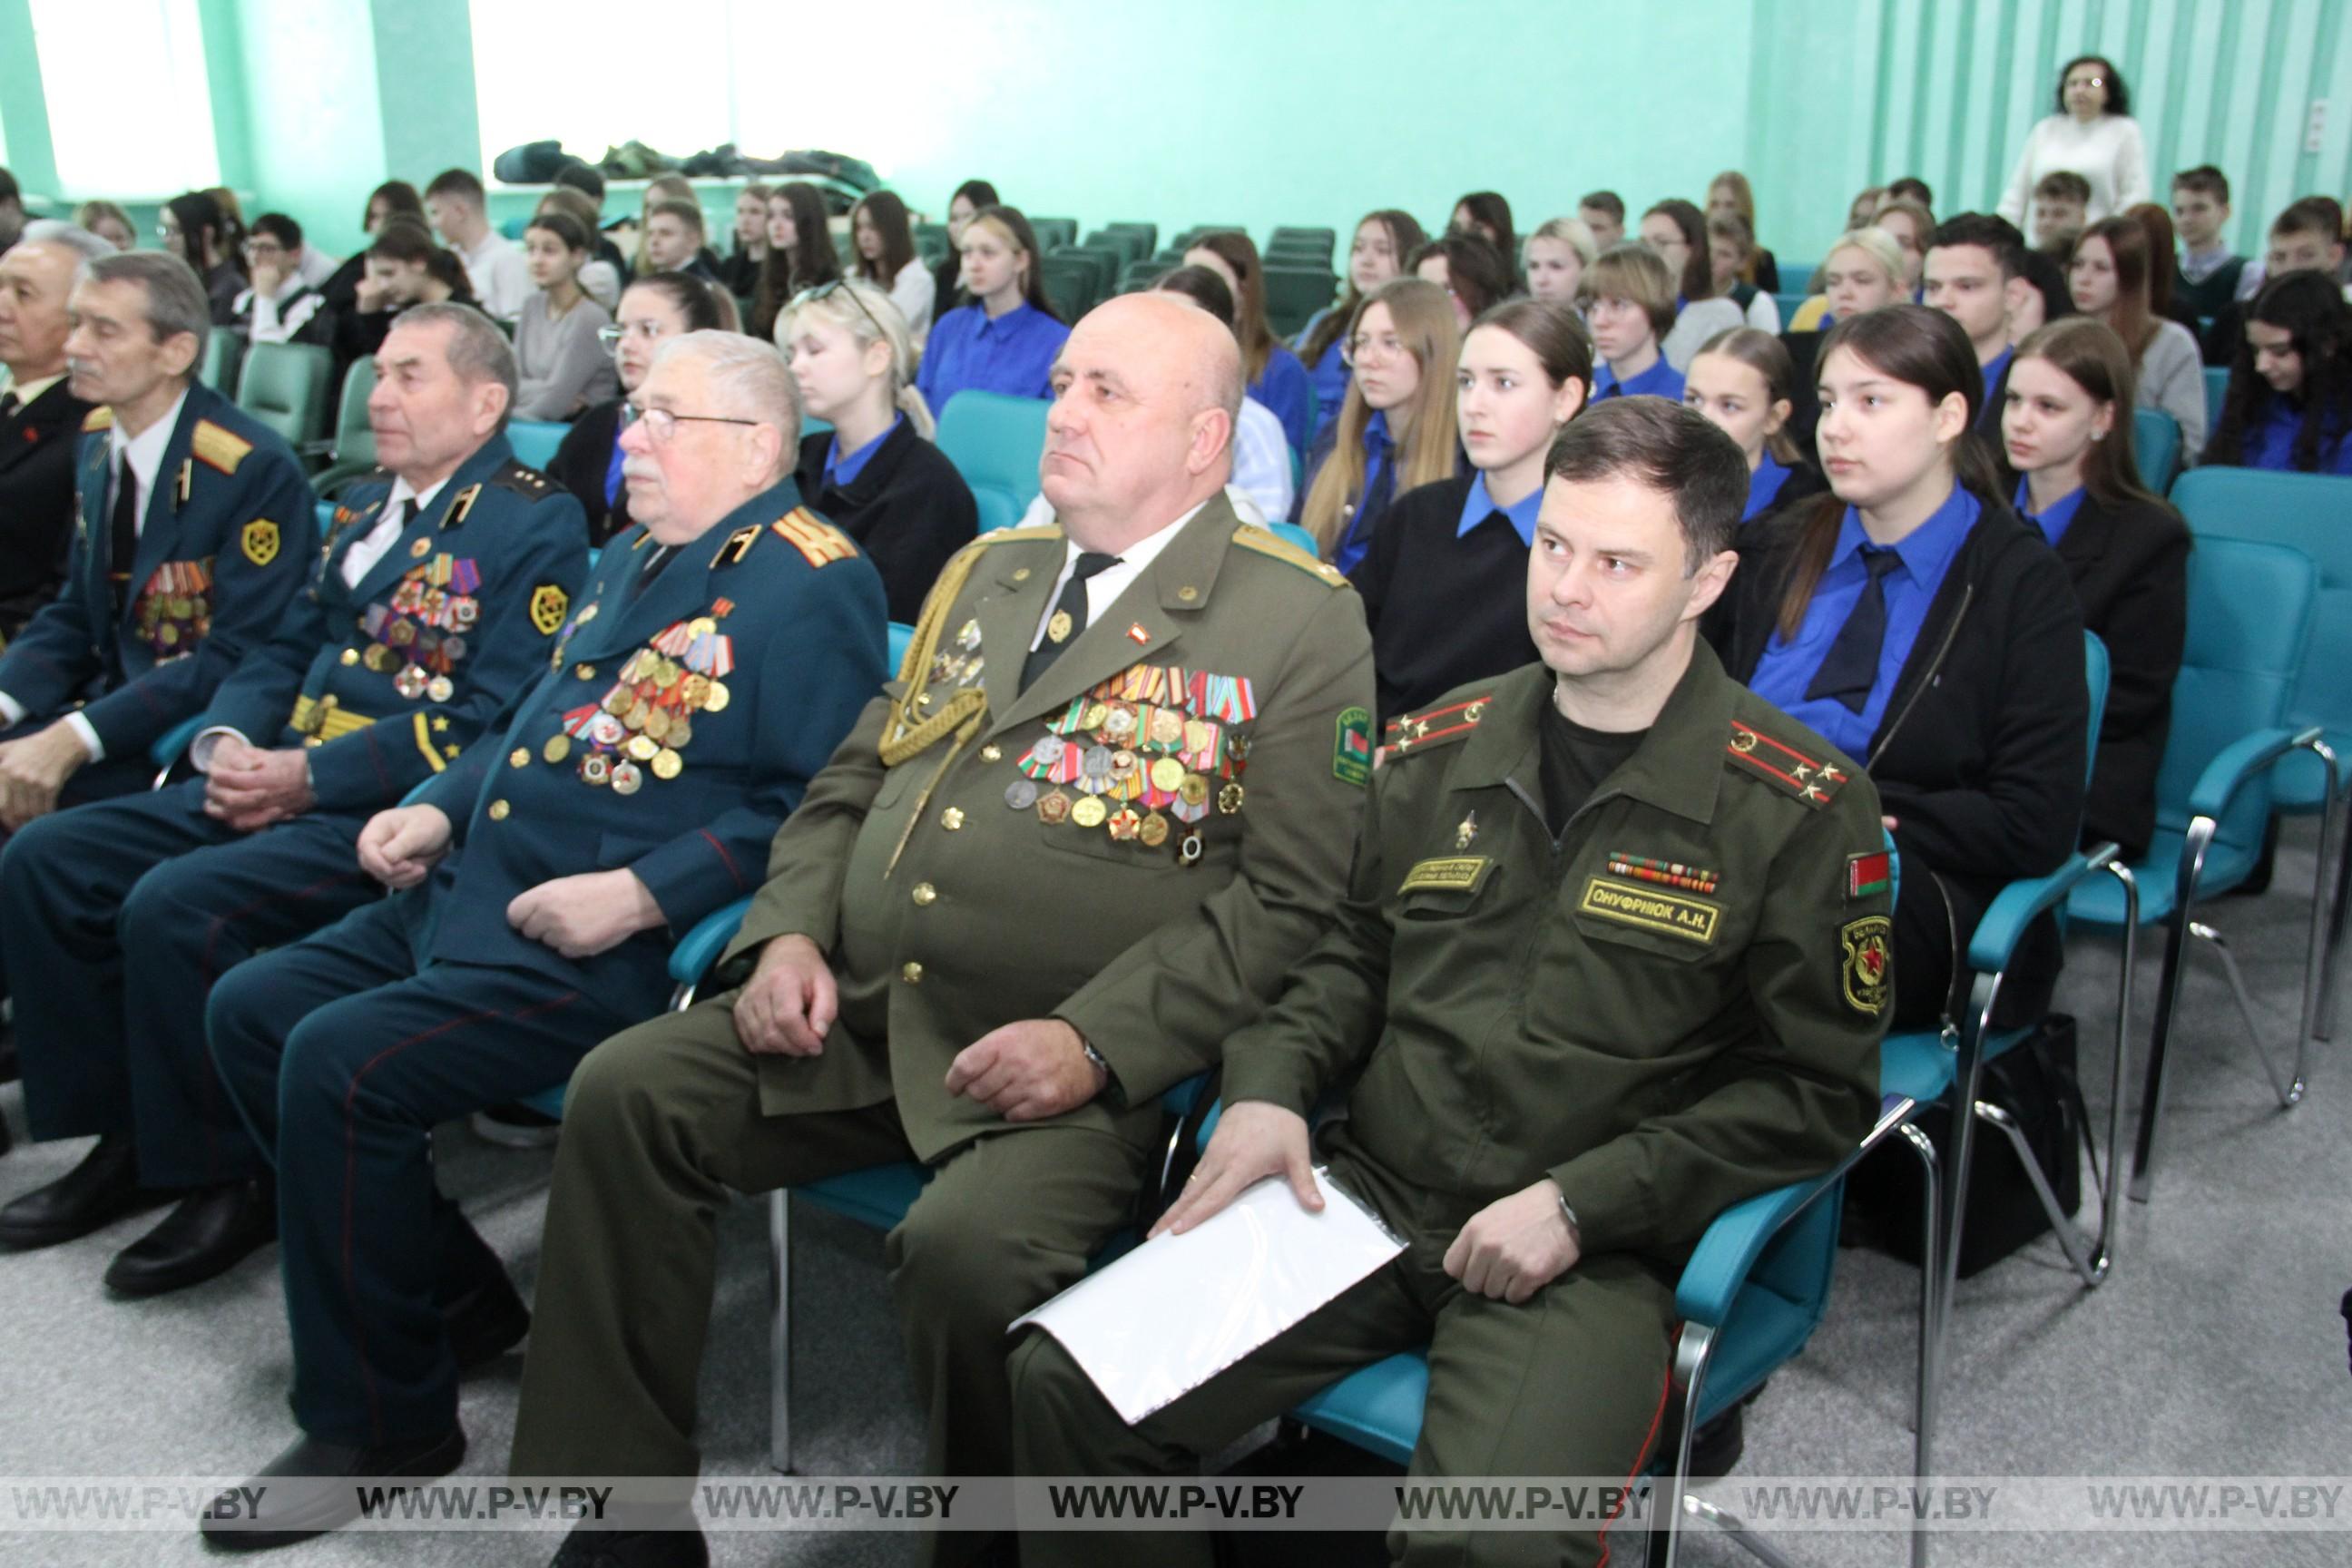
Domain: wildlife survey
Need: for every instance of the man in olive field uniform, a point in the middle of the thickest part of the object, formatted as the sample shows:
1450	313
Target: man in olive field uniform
1104	806
1612	957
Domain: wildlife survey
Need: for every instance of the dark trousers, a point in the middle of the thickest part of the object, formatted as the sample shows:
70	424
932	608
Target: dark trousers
663	1126
97	781
342	1054
1572	1382
118	918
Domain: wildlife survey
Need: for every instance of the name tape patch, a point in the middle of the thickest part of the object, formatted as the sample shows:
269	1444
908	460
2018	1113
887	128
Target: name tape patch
1629	903
1459	874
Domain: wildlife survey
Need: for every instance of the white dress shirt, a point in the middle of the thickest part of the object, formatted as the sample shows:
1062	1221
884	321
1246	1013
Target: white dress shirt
502	279
1105	586
1261	459
356	564
145	453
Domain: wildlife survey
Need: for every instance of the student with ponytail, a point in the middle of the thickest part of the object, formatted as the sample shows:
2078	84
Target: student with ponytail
874	475
1445	584
1927	632
1742	383
1395	428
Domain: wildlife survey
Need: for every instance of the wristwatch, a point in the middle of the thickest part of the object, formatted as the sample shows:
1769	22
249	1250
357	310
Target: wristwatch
1110	1089
1575	1231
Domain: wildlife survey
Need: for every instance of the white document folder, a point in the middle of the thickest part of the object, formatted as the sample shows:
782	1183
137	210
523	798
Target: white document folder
1178	1310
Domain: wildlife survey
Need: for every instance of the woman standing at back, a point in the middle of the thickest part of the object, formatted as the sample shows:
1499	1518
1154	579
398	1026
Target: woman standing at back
2094	135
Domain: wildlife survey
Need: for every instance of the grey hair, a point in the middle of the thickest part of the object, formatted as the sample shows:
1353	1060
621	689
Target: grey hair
175	297
56	231
752	381
479	351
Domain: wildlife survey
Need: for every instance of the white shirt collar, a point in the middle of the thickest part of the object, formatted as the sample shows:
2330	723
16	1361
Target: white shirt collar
1138	555
145	450
1103	587
26	391
401	492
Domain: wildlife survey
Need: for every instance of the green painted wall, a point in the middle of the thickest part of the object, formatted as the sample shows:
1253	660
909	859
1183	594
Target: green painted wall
1313	111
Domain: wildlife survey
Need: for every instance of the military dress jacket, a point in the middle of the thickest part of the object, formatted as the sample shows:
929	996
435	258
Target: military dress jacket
677	724
1140	843
38	472
230	530
1673	1005
388	680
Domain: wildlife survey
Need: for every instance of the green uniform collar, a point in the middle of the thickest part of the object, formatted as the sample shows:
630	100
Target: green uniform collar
1678	767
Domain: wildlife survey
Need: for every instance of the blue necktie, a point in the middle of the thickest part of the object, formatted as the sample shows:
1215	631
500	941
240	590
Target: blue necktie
1850	669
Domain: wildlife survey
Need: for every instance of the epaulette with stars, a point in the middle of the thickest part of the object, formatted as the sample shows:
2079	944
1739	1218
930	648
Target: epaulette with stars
524	481
1781	765
1414	732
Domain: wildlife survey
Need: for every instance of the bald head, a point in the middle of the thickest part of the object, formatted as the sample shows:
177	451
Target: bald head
1146	391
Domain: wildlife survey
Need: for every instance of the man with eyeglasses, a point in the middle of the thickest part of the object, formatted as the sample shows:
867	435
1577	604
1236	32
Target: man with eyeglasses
1106	805
438	595
721	649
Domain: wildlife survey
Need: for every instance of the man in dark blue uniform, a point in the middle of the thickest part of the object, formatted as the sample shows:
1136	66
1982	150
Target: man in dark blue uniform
725	645
193	530
436	600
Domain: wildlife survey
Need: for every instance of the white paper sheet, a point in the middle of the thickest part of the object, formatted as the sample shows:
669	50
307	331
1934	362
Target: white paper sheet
1178	1310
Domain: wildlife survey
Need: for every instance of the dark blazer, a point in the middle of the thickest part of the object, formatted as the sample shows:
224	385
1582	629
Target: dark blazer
1445	609
581	463
394	677
36	501
909	510
229	537
750	656
2130	567
1981	757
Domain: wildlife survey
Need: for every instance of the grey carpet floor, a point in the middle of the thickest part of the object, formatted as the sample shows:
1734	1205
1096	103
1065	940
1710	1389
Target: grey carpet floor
2216	1347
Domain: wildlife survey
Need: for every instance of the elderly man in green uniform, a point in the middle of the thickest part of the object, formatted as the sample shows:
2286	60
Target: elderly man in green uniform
1611	958
1079	840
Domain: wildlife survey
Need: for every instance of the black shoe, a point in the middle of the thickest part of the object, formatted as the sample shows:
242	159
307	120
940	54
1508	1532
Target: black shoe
9	1071
212	1231
95	1194
487	1322
1716	1445
598	1546
307	1491
516	1127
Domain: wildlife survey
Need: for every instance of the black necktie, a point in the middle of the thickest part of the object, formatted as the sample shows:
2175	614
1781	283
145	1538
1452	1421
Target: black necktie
9	404
124	543
1850	669
1069	616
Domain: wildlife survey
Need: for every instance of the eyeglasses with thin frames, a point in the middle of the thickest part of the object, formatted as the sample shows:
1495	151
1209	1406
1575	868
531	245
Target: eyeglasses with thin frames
661	425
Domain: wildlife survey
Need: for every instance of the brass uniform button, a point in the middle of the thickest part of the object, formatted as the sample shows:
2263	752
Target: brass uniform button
1188	593
350	657
925	895
912	974
498	810
312	741
1021	575
952	818
992	753
519	757
583	672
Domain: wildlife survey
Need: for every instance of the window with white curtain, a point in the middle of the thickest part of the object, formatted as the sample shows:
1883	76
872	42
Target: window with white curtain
130	110
600	72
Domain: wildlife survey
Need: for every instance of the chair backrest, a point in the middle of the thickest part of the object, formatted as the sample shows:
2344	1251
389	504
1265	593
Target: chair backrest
1789	304
2217	392
1053	231
901	634
2095	665
2313	513
1291	534
995	443
217	369
284	385
2155	438
354	436
535	440
2249	611
1295	293
1150	231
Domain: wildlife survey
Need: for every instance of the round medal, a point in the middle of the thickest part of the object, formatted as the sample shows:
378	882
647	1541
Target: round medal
668	764
1021	794
1122	763
1096	714
1167	774
657	723
1049	750
606	731
1089	811
1193	790
1167	726
643	747
702	626
627	779
1154	831
1097	762
558	747
680	732
715	701
440	689
1229	799
1120	720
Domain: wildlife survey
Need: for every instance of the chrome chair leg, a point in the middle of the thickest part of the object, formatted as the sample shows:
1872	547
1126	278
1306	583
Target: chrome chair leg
1732	1525
1923	1413
2328	949
2289	1091
779	1332
2199	840
1691	1353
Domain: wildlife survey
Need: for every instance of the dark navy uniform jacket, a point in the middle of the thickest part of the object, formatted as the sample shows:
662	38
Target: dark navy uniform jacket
388	681
229	535
681	721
